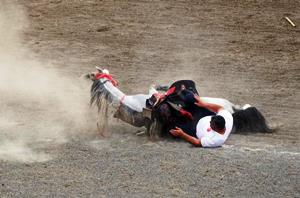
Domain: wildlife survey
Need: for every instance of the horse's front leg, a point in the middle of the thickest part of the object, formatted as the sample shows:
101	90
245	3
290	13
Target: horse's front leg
102	122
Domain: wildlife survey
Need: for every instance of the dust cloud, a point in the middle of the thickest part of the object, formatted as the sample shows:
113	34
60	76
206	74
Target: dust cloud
38	105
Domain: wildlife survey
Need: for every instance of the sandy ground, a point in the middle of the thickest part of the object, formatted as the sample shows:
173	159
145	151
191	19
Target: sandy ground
243	51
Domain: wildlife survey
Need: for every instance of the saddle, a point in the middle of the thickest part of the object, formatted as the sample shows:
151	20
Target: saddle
176	107
180	94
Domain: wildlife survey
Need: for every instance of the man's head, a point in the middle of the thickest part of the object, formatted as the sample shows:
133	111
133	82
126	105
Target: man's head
217	123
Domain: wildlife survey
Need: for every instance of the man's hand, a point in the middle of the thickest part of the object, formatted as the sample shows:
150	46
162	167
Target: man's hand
198	101
177	132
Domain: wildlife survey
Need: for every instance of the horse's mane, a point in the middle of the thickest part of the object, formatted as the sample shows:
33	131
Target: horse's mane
98	93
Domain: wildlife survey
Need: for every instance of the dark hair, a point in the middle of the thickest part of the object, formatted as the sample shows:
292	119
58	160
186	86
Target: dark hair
218	121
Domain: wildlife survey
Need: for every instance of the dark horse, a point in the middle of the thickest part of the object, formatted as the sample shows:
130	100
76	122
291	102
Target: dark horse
170	112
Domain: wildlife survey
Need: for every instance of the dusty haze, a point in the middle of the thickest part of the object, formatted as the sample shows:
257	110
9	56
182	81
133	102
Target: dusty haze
142	42
37	103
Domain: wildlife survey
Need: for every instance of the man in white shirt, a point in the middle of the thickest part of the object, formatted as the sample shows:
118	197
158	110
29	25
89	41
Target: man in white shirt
211	131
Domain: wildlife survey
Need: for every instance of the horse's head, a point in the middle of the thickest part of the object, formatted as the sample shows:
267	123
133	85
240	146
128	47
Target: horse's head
98	74
103	71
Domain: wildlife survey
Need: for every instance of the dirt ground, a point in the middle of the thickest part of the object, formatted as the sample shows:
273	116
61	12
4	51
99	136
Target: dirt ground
244	51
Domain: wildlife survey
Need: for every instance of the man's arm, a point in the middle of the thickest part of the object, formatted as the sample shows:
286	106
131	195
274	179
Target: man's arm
212	107
178	132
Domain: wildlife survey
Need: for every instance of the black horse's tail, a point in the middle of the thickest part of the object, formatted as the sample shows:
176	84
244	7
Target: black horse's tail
250	120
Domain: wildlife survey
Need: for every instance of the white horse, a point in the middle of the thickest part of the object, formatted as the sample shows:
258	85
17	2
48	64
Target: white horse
138	102
129	108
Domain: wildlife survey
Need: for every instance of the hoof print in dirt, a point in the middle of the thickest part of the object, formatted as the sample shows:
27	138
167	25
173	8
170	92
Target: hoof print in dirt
103	29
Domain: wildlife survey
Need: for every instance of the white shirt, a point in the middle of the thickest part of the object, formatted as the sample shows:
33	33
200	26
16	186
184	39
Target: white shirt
209	137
